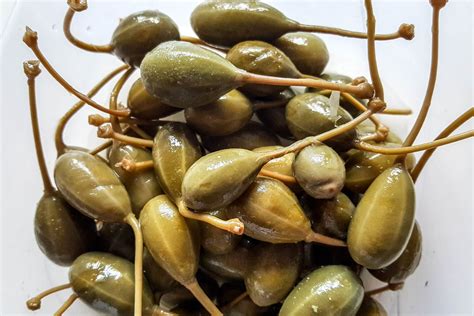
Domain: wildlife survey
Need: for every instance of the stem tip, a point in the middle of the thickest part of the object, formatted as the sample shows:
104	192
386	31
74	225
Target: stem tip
438	3
30	38
31	68
33	304
77	5
105	131
376	105
407	31
366	90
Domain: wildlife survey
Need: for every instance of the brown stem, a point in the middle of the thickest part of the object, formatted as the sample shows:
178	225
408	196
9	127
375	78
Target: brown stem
390	286
134	166
31	40
262	105
325	240
406	31
202	297
358	105
133	222
71	299
381	131
234	225
415	130
114	120
59	141
97	120
374	73
288	180
395	111
363	90
105	131
80	5
235	301
140	132
34	303
199	41
411	149
32	70
374	106
101	147
446	132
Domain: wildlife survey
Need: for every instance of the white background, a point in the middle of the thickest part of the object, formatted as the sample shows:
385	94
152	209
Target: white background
442	284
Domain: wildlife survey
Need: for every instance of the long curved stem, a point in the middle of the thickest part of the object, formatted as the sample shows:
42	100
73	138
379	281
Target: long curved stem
288	180
374	107
31	40
388	287
325	240
358	105
105	131
411	149
446	132
363	90
134	166
97	120
78	43
397	111
374	73
71	299
202	297
133	222
406	31
263	105
199	41
114	120
415	130
140	132
58	138
32	70
101	147
234	225
34	303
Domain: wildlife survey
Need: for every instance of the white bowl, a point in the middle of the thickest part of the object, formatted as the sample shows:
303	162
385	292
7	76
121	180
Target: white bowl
442	284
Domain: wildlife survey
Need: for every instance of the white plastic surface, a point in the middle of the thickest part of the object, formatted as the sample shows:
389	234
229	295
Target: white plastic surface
442	284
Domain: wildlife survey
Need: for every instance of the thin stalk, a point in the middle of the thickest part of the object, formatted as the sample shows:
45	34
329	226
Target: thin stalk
234	225
134	166
105	131
199	41
446	132
100	148
325	240
235	301
374	73
415	130
263	105
31	40
140	132
58	138
406	31
375	106
133	222
78	5
411	149
114	120
378	291
397	111
32	70
288	180
202	297
358	105
363	90
71	299
97	120
34	303
389	286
